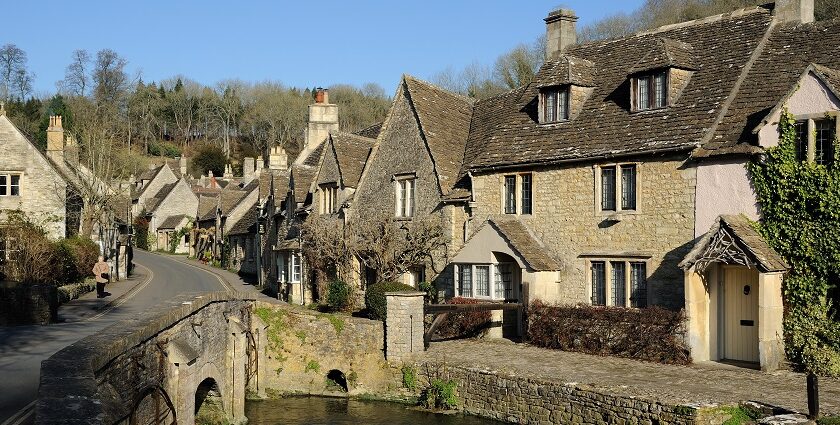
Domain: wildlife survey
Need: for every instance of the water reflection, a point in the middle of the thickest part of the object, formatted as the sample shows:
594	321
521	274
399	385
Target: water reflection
336	411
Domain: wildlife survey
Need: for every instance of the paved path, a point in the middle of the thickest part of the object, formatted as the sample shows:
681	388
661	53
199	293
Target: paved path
707	383
158	278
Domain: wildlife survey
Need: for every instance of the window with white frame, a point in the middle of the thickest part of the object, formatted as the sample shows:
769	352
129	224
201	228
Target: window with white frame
329	194
518	194
618	283
414	276
489	281
404	188
294	268
555	104
650	90
617	187
282	275
815	139
10	184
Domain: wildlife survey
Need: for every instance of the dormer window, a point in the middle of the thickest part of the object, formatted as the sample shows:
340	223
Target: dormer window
554	104
651	90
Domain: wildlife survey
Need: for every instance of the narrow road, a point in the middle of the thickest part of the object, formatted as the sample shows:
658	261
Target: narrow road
22	348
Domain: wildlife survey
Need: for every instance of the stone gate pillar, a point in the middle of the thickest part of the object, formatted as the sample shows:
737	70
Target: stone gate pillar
403	325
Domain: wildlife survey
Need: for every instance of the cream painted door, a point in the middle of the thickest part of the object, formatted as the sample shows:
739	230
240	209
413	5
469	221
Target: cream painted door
740	314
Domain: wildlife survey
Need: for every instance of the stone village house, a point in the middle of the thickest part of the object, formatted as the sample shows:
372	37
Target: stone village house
164	196
617	177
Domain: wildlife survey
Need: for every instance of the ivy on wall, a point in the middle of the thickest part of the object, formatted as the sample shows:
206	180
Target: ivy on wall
800	207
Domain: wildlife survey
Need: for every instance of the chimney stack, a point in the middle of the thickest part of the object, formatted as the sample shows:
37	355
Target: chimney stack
277	158
2	109
248	167
794	11
560	32
55	140
322	95
182	164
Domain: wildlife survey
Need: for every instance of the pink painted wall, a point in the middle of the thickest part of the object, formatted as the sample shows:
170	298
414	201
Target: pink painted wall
723	187
812	97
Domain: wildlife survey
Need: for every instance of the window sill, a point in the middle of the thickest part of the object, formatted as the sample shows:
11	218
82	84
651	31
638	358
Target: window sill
403	218
553	123
617	215
651	110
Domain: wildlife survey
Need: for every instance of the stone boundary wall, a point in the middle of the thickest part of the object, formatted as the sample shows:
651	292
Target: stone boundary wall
528	401
69	390
28	304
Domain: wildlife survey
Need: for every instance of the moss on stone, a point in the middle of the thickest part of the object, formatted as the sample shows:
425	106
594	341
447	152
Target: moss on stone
278	324
312	365
337	322
301	336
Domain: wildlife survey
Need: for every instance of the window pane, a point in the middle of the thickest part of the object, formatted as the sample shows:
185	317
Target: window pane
563	105
504	285
643	97
398	196
608	188
526	194
599	283
411	184
801	128
4	181
482	281
550	112
824	147
465	280
661	89
628	187
296	268
618	287
510	194
638	285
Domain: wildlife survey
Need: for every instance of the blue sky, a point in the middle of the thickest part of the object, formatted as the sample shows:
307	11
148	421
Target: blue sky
301	43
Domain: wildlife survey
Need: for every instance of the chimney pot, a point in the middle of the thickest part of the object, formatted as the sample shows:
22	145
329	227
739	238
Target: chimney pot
560	32
322	95
794	11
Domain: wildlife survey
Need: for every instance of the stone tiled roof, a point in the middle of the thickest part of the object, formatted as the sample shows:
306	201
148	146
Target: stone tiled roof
445	123
207	205
747	238
788	52
505	131
352	153
230	198
525	243
566	70
172	222
314	157
281	183
246	224
666	53
302	176
371	132
153	202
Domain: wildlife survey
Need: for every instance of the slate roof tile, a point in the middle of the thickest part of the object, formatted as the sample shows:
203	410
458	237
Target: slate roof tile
352	153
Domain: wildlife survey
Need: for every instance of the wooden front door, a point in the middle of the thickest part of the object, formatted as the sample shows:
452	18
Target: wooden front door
740	314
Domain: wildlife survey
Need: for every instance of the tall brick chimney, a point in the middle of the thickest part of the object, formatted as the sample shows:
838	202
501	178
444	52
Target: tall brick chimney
794	11
55	140
560	32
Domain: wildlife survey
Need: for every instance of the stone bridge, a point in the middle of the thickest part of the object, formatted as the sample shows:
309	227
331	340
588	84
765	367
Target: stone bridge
159	369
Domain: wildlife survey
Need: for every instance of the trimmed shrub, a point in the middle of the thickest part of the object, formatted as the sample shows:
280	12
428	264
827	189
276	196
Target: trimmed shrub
432	292
75	259
338	295
464	325
652	334
375	297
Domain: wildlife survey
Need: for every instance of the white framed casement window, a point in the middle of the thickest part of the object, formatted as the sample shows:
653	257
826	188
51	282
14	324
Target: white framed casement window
404	195
329	194
494	281
282	275
294	268
10	184
554	104
414	276
518	194
650	90
616	188
617	282
815	136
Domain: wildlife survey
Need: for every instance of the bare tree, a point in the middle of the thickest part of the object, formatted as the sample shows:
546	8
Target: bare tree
15	79
76	80
109	77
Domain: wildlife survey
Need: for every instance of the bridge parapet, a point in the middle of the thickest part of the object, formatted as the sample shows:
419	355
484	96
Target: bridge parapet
147	370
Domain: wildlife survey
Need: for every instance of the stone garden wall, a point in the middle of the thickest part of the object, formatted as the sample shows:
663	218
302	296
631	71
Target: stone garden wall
28	304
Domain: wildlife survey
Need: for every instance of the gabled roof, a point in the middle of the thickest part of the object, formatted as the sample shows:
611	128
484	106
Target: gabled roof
207	205
733	238
506	133
371	132
314	157
351	153
525	244
280	180
564	70
227	200
789	51
172	222
301	178
9	131
444	120
246	224
666	53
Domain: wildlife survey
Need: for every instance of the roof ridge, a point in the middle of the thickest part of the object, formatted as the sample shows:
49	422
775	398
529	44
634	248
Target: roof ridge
439	88
700	21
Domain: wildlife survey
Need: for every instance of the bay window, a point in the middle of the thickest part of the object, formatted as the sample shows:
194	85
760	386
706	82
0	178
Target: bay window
294	268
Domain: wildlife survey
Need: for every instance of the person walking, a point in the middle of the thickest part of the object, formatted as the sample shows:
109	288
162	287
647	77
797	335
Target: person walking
101	272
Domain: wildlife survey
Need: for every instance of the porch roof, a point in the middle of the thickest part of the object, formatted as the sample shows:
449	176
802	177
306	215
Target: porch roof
734	239
521	241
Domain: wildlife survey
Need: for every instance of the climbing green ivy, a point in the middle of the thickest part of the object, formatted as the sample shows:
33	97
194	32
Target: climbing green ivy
177	237
800	208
